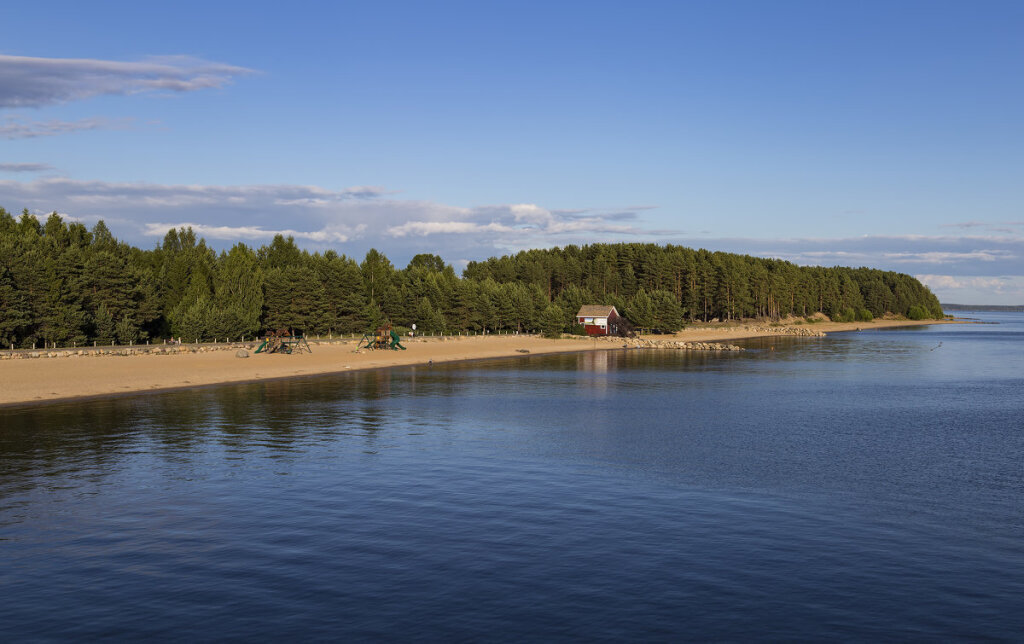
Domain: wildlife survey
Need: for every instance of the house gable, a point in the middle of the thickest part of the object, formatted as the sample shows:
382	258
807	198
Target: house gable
598	319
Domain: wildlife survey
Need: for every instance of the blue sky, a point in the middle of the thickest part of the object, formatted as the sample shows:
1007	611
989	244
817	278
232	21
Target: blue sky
888	134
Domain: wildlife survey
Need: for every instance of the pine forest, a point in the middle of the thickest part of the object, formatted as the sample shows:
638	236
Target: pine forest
62	283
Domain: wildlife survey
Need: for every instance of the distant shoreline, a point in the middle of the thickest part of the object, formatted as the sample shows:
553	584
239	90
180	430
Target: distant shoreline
995	308
34	381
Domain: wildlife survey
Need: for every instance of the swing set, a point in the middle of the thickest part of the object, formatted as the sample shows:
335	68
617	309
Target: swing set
383	338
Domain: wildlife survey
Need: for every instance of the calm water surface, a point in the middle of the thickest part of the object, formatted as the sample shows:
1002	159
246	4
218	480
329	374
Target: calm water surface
862	486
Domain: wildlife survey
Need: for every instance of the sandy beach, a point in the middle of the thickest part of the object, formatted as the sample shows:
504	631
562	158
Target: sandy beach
40	380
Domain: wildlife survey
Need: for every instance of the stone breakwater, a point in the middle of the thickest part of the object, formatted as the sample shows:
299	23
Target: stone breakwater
650	343
785	330
646	343
689	346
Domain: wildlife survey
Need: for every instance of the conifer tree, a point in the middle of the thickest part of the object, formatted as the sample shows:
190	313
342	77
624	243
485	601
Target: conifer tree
126	331
15	316
190	318
238	293
103	324
668	315
573	297
552	321
372	315
486	312
640	311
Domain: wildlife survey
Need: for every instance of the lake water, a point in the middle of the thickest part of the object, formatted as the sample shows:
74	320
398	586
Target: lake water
861	486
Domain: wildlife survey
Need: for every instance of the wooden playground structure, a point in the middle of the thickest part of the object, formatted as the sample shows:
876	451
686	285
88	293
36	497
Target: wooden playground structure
283	341
383	338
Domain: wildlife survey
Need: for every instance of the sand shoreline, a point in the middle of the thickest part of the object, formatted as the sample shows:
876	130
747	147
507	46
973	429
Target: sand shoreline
30	382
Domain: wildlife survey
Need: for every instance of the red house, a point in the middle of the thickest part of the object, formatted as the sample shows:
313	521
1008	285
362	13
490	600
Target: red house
598	319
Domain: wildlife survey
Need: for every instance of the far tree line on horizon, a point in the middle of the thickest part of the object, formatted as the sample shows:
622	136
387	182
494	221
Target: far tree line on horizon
63	283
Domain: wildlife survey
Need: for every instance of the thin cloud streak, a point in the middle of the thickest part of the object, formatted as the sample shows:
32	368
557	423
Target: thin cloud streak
25	167
16	128
36	82
144	195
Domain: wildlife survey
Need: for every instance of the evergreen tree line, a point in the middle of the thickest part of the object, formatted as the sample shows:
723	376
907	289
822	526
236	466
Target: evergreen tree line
63	283
663	287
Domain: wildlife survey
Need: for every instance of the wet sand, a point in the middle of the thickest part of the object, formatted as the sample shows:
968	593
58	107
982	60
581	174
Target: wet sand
39	380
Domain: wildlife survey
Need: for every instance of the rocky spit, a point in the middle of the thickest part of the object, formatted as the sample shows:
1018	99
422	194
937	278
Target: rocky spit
649	343
644	343
785	330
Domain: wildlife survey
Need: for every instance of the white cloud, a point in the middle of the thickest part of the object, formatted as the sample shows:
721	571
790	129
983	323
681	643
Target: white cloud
445	227
530	213
236	233
959	282
35	82
520	224
358	216
977	289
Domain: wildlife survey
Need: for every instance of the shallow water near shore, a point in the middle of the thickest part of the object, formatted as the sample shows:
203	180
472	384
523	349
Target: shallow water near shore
863	485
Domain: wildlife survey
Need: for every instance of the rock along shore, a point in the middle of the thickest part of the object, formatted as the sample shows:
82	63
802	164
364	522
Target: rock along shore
137	350
695	345
643	343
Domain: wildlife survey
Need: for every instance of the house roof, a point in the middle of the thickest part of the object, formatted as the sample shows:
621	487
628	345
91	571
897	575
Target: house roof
595	311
